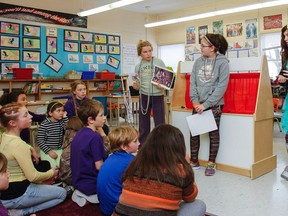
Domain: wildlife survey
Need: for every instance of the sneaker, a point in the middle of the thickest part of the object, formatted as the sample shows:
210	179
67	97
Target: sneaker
57	182
285	173
195	166
210	169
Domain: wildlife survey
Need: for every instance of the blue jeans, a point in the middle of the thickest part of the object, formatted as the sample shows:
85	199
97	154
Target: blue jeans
195	208
37	197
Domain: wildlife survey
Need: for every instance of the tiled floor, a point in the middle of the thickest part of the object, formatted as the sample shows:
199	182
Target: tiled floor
227	194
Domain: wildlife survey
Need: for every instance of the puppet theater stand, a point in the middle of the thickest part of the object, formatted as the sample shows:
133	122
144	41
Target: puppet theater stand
246	128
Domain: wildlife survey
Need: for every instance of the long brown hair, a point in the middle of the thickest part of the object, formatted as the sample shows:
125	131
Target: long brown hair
218	41
73	88
72	127
284	48
162	154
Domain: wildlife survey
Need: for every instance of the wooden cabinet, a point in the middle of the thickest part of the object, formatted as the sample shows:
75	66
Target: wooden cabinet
246	140
46	89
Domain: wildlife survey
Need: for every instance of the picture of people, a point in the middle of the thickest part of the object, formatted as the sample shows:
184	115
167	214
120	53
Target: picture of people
163	76
233	30
251	28
203	30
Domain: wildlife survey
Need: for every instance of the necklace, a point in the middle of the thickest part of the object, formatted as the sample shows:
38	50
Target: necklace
144	110
209	68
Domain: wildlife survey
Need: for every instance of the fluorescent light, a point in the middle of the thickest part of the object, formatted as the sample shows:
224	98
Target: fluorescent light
217	13
107	7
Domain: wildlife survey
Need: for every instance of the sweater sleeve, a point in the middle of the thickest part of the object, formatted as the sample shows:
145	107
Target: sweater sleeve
190	193
193	90
69	108
23	158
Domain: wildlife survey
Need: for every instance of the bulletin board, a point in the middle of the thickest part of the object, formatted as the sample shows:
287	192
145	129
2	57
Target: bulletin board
53	51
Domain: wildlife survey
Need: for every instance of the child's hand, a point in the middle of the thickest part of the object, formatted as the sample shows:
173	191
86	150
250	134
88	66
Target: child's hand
35	157
52	154
56	171
159	86
100	131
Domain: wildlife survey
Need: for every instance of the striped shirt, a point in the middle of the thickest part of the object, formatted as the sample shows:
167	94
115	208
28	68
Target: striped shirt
50	134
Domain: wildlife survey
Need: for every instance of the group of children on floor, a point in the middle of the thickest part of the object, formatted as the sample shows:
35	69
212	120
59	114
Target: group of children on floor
100	165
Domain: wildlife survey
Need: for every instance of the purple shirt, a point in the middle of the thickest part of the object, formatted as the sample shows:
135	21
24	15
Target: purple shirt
70	108
86	149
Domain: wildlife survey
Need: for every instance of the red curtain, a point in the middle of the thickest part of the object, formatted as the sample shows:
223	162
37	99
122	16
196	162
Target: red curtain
241	93
188	102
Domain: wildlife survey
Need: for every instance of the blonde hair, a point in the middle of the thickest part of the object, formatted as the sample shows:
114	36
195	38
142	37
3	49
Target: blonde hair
142	44
122	136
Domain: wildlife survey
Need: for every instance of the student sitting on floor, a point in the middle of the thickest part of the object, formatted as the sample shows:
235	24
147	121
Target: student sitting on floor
50	133
25	195
123	141
87	152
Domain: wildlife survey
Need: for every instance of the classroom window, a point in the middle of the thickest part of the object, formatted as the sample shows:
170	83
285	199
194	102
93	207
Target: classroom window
270	44
172	54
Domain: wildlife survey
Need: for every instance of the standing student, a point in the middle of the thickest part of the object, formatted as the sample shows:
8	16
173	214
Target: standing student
79	94
208	83
25	195
87	152
4	181
123	141
159	181
50	133
20	97
73	126
282	78
151	96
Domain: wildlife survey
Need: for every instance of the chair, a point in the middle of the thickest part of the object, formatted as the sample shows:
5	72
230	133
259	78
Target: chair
277	114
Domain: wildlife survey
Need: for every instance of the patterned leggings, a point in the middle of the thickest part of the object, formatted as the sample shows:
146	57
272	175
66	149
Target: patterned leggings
214	139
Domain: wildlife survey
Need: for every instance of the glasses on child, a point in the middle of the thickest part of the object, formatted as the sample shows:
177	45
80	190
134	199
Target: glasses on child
202	46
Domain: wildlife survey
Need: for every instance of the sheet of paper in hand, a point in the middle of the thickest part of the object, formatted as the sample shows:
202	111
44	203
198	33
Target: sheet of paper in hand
201	123
163	76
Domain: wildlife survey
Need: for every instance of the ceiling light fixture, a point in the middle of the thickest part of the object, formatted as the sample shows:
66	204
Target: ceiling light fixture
217	13
107	7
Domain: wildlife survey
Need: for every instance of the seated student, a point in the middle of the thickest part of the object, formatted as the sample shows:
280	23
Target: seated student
123	142
50	133
4	181
159	181
87	152
78	93
20	97
73	126
25	195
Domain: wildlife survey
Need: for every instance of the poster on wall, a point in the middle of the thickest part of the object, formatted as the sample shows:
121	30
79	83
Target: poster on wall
251	28
272	22
202	30
217	27
190	35
234	30
7	67
41	16
53	63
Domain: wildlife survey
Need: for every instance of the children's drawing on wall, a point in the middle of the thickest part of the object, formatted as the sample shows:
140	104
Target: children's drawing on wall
51	31
100	38
85	36
93	67
87	59
10	28
71	35
34	66
31	56
233	30
9	41
113	62
53	63
8	67
31	43
87	48
73	58
251	28
203	30
29	30
190	35
101	59
189	52
272	22
51	44
217	27
10	55
71	46
101	49
112	39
